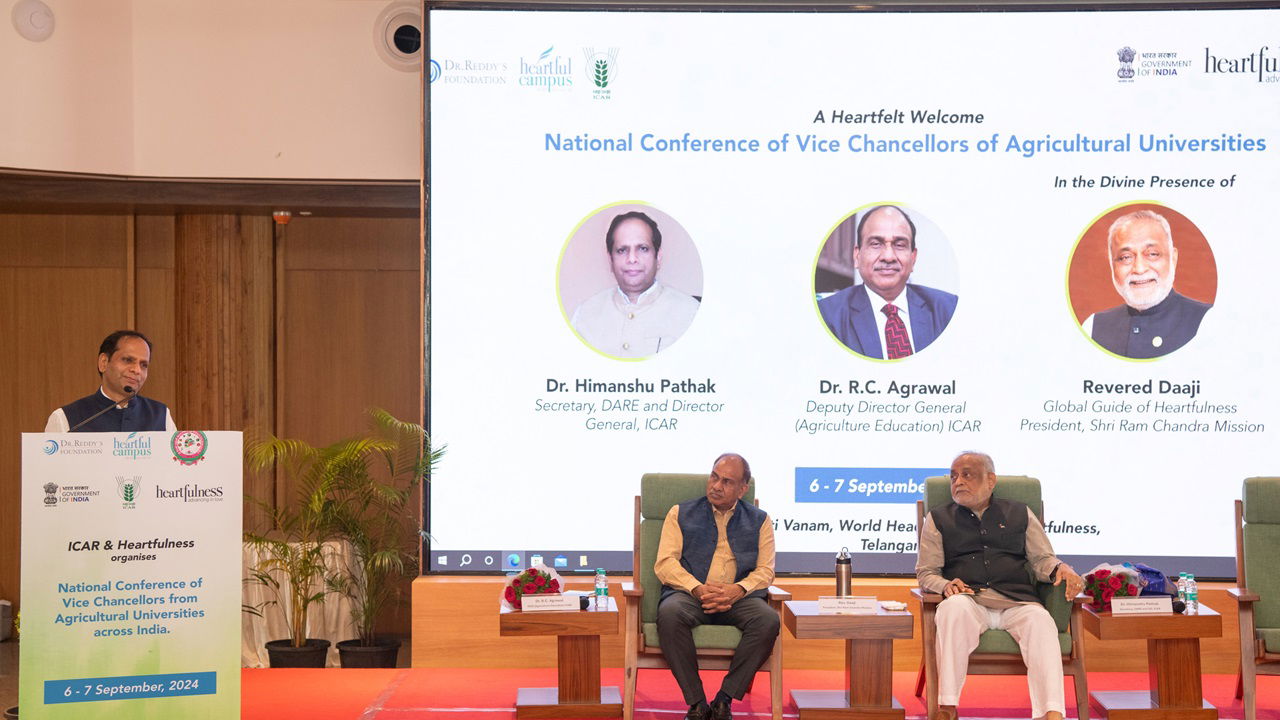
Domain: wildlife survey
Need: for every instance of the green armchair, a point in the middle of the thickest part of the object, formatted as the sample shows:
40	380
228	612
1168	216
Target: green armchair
1257	594
997	653
658	492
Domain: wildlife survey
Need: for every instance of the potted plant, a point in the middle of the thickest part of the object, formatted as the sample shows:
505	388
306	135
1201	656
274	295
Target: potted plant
372	509
295	564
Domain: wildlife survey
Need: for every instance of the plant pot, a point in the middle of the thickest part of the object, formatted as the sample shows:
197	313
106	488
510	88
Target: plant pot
283	654
382	654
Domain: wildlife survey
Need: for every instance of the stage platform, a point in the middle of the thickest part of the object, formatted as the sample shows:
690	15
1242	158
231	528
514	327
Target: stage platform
489	694
455	624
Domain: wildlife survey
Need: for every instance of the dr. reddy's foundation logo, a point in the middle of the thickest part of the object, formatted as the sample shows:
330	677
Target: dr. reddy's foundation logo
548	72
50	447
602	70
467	71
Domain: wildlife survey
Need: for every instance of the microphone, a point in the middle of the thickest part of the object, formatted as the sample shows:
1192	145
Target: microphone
129	390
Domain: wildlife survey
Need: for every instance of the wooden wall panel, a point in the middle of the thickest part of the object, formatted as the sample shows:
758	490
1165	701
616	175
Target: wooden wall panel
64	289
155	305
350	336
10	427
350	324
224	315
64	241
205	288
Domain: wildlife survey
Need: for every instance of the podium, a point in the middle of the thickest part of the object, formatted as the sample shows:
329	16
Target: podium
131	574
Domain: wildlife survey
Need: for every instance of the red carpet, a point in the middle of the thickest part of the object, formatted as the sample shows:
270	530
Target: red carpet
448	694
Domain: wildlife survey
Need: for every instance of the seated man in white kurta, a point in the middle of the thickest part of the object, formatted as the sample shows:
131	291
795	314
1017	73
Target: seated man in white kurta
640	316
974	552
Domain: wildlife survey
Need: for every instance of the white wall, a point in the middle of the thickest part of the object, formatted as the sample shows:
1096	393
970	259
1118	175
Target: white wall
68	100
203	88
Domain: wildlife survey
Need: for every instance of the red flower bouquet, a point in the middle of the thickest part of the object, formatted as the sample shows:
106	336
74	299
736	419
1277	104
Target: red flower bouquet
536	580
1103	583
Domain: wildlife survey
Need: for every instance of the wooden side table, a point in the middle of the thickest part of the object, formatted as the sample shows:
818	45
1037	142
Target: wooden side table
1173	664
868	661
578	694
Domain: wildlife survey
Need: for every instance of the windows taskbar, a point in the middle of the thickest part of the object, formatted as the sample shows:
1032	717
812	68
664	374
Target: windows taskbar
585	562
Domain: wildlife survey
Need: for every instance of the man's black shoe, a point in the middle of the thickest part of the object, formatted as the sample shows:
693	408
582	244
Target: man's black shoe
720	710
698	711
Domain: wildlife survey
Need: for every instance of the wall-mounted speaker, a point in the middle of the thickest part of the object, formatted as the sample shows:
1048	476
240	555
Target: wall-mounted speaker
397	35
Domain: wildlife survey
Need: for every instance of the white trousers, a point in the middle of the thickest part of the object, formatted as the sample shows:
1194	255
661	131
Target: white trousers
961	621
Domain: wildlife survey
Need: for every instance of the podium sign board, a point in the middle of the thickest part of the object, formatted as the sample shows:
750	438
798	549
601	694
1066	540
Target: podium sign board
131	575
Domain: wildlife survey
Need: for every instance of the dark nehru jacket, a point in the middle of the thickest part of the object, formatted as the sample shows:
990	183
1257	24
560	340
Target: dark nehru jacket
987	552
700	535
1150	333
141	414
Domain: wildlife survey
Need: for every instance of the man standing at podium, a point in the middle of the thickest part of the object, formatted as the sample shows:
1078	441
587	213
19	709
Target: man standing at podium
123	362
715	562
975	551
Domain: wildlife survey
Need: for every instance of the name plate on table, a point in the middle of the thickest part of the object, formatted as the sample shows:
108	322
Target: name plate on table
847	605
549	602
1141	605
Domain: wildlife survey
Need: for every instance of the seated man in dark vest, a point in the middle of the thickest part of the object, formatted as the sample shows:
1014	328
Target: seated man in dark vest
123	362
715	562
975	552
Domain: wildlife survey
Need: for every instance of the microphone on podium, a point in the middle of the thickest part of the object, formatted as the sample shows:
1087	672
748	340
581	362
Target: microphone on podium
129	391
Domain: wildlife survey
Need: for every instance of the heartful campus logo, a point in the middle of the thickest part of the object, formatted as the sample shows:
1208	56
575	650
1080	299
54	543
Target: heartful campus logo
602	71
189	446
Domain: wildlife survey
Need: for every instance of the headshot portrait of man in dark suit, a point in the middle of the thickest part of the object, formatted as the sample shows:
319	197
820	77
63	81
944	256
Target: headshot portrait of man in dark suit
1155	319
885	316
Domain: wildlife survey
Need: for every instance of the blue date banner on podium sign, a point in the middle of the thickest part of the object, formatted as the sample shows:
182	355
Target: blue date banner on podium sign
862	485
129	687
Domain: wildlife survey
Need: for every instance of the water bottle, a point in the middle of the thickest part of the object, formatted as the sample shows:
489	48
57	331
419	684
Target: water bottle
844	573
1193	598
1182	587
602	589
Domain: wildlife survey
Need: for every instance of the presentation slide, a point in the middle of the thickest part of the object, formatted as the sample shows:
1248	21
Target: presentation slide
850	246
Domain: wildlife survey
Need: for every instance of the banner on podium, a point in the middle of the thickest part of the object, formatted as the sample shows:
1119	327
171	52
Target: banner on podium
131	575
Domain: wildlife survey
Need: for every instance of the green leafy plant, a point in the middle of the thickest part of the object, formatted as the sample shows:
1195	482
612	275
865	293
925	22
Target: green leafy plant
373	509
360	490
294	563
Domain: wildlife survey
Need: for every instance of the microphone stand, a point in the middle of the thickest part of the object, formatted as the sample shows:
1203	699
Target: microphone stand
129	395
